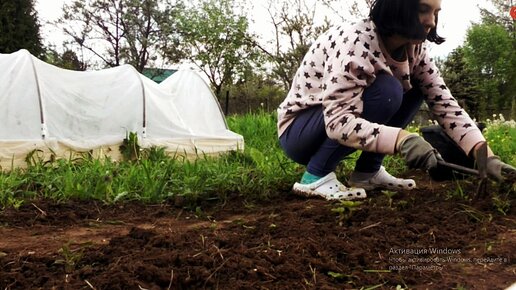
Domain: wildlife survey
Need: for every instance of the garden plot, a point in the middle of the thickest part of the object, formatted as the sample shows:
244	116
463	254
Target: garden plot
432	238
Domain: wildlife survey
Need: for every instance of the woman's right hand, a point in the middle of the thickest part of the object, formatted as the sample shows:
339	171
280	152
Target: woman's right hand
416	151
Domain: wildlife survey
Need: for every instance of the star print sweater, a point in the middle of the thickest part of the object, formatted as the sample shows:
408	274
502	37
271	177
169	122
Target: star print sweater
344	61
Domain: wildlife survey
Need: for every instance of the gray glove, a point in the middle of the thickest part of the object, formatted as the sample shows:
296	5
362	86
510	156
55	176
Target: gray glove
500	171
418	153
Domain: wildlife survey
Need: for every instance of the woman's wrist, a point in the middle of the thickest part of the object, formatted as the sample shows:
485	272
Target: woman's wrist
402	135
474	150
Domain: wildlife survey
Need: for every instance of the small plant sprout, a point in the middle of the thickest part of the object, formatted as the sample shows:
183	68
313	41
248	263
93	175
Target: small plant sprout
69	258
336	275
458	192
341	276
345	210
389	194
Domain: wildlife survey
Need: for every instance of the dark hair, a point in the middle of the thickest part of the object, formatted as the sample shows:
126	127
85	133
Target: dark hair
401	17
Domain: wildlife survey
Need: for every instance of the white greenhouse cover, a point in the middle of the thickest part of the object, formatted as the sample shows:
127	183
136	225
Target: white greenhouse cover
53	111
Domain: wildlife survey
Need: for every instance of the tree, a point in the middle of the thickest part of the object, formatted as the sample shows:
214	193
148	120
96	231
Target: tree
359	9
67	60
295	28
463	81
500	15
489	50
19	27
215	38
255	91
118	31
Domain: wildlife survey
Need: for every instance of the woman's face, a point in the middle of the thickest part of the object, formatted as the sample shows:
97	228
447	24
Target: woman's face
428	11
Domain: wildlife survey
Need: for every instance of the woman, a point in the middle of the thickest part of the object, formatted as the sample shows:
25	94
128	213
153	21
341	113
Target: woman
357	87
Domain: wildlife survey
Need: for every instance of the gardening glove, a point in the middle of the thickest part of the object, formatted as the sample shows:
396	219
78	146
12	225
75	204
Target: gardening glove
500	171
417	152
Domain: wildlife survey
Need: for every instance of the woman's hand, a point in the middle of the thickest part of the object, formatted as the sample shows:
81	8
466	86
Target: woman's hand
500	171
416	151
497	169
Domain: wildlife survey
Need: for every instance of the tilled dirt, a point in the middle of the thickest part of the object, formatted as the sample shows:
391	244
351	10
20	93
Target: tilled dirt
421	239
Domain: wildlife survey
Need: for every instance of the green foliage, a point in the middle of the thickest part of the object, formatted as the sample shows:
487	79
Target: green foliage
262	170
216	36
489	51
151	176
130	149
19	27
254	92
66	60
500	134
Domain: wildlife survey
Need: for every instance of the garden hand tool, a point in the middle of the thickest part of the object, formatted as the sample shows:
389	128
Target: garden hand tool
482	169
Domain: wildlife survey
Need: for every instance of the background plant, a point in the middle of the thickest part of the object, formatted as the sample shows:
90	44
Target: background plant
261	171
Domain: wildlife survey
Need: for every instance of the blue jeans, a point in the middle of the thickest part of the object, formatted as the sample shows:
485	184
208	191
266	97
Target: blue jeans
305	141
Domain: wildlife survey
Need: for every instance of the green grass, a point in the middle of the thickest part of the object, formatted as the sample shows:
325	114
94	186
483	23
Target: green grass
261	171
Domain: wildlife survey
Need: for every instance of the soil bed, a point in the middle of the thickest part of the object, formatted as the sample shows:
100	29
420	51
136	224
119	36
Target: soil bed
421	239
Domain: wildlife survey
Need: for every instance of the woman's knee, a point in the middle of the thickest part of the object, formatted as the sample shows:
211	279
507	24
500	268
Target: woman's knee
294	151
389	84
383	98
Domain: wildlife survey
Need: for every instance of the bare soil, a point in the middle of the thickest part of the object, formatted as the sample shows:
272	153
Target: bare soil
421	239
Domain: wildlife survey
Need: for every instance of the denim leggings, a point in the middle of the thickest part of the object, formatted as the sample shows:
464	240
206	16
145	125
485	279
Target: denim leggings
305	141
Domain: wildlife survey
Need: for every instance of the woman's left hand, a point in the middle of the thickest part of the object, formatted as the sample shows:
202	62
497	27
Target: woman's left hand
500	171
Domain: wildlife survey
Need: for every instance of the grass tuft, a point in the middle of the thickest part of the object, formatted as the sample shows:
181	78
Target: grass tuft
149	175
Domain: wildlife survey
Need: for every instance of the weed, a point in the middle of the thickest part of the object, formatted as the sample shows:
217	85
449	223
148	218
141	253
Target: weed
489	246
345	210
502	204
339	276
458	192
389	194
14	202
69	258
199	213
402	204
154	154
475	214
130	149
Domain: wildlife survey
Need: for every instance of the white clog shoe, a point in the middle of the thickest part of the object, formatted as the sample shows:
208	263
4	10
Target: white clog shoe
330	188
